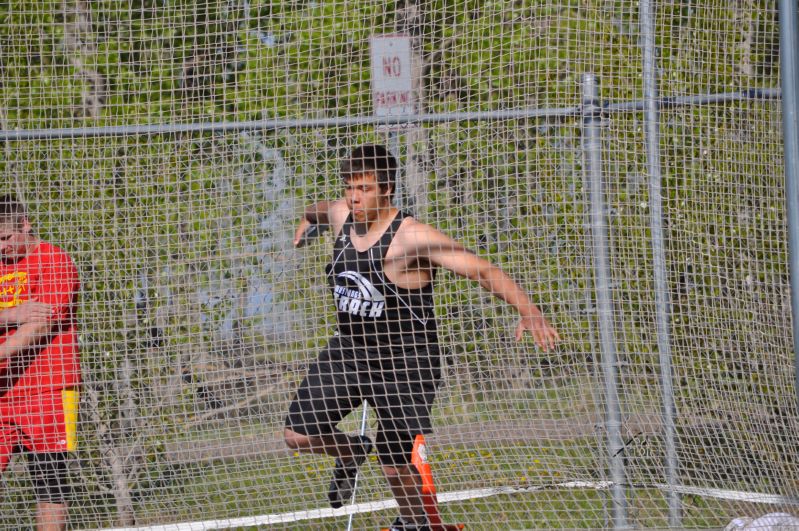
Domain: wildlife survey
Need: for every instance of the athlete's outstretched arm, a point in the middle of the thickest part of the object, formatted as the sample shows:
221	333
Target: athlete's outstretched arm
332	213
443	251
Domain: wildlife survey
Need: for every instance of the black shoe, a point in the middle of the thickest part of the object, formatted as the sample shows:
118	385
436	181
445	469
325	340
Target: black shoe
400	525
343	483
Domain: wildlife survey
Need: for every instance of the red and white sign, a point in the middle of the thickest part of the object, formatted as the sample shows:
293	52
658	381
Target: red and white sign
392	86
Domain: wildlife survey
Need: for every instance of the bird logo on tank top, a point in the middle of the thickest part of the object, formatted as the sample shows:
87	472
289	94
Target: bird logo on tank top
364	300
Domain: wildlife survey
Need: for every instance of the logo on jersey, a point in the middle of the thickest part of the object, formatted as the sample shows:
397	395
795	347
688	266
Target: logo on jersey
365	301
12	287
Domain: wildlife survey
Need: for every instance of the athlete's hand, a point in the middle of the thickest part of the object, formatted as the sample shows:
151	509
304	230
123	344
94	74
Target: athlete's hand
30	311
301	228
543	333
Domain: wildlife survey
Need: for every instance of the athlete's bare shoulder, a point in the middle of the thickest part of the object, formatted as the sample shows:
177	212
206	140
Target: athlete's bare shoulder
412	231
419	239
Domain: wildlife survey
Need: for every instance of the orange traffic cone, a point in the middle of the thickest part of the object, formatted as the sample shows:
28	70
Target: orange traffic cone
429	498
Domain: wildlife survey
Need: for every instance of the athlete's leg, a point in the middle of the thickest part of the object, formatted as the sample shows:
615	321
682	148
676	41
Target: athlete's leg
48	425
51	516
50	479
328	394
337	444
403	411
324	397
406	486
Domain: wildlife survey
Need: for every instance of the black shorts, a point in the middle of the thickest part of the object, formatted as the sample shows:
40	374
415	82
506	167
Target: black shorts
343	378
49	476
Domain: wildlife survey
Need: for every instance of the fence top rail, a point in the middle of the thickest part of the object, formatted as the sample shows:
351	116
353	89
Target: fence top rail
295	123
396	121
756	94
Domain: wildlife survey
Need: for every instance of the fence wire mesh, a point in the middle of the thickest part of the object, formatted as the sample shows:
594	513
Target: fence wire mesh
198	318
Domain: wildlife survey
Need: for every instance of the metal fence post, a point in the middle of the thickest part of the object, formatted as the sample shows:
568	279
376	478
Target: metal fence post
592	171
790	132
662	302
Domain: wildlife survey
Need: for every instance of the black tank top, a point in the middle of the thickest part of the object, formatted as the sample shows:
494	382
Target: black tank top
372	312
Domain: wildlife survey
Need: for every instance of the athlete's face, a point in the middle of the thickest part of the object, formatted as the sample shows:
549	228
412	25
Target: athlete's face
15	239
364	196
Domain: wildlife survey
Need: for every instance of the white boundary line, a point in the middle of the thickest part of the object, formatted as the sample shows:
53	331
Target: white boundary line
446	497
735	495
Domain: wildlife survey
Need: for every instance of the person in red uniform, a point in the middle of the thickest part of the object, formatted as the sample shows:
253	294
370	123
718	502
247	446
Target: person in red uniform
39	365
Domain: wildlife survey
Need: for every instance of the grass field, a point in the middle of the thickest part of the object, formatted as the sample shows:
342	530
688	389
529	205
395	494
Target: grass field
239	469
264	486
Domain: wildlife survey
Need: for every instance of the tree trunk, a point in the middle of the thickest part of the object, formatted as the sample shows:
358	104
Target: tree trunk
410	21
113	459
79	42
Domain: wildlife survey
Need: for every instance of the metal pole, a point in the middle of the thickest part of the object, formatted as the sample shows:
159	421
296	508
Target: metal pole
675	102
399	187
789	67
356	121
358	474
662	302
288	123
592	146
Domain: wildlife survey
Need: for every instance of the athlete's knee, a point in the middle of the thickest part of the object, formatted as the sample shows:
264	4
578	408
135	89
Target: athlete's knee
296	441
394	449
51	516
397	472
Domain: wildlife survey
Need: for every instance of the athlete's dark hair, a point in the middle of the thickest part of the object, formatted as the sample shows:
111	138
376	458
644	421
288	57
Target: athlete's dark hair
372	157
11	210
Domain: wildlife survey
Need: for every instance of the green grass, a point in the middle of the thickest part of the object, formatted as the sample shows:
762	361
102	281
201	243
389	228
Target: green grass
280	483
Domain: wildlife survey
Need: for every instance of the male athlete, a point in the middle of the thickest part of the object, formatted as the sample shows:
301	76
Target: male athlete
39	369
385	350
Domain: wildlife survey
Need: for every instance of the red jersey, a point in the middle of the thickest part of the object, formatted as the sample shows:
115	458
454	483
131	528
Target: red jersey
48	275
